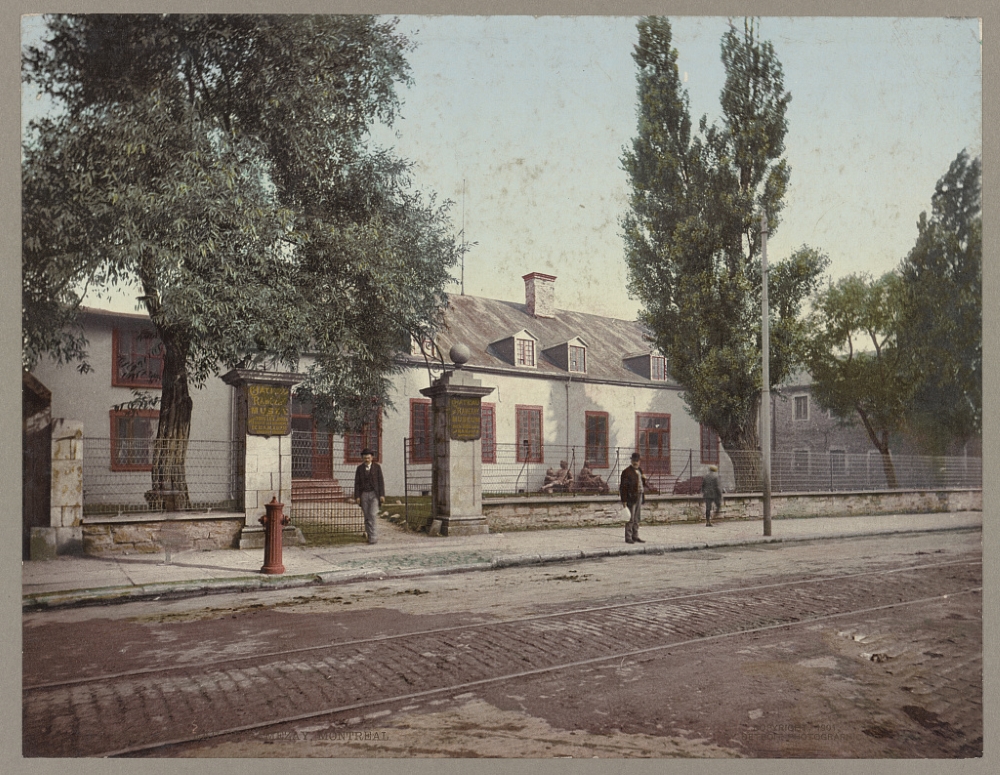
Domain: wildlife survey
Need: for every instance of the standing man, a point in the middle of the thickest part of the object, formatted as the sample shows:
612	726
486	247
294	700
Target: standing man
630	490
711	491
369	490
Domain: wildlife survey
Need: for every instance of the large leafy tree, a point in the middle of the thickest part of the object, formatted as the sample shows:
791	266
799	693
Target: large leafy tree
940	325
692	234
854	356
223	164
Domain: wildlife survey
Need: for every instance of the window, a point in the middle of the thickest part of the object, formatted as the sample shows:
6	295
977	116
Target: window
421	437
801	407
577	358
709	445
597	439
132	434
524	352
488	432
138	358
652	441
657	368
369	435
529	434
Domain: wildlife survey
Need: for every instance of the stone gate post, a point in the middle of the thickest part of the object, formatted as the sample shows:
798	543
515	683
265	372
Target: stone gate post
264	462
457	473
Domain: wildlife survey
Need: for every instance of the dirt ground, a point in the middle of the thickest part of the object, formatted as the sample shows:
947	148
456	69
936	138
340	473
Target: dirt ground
893	684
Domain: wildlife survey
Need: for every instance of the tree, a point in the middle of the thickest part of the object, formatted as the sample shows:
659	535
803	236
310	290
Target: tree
692	235
855	360
223	164
940	325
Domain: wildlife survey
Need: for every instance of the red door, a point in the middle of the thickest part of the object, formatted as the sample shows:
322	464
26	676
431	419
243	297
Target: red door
312	450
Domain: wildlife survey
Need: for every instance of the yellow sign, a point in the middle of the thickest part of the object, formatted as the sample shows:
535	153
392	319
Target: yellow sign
464	418
267	410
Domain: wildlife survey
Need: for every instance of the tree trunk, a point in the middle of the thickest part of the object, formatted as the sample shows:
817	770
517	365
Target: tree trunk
881	442
170	490
743	448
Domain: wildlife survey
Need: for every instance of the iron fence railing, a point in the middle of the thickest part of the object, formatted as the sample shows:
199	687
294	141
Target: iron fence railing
418	478
322	486
679	471
117	477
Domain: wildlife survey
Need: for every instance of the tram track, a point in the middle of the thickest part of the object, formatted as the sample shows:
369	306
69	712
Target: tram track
151	708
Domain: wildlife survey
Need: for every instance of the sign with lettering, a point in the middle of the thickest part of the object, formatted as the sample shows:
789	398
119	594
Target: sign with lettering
463	418
268	410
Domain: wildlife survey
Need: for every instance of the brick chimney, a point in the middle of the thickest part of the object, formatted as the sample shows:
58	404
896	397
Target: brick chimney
540	294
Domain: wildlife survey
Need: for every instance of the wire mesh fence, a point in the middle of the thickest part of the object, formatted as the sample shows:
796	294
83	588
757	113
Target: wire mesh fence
418	478
579	471
322	486
118	477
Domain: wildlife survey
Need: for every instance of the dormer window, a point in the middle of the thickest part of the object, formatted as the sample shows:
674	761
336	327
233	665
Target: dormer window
524	352
519	349
649	365
577	358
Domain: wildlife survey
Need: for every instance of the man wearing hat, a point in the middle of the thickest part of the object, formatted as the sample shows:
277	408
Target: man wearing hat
369	490
630	490
711	491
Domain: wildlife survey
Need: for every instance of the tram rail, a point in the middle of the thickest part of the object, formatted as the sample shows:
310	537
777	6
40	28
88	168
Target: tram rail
292	685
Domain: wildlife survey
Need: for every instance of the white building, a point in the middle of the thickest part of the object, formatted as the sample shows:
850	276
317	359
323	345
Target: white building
565	383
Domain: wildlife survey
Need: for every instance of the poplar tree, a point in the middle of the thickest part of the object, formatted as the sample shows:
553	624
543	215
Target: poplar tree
222	163
692	233
941	321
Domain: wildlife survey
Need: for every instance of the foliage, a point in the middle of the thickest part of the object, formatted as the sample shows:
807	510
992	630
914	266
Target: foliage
854	356
692	235
223	163
940	326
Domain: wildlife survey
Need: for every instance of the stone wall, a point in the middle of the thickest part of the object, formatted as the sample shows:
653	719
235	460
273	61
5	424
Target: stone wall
540	513
153	534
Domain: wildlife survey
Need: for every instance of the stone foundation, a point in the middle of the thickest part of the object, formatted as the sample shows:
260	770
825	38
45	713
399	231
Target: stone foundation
540	513
158	533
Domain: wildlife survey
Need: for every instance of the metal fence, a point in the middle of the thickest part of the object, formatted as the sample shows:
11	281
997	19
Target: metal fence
418	478
322	487
678	471
118	480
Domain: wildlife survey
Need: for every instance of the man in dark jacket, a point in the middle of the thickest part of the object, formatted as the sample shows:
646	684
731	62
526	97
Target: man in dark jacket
369	491
711	491
630	490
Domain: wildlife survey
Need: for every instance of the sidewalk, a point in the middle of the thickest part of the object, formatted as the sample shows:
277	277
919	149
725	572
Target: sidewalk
401	554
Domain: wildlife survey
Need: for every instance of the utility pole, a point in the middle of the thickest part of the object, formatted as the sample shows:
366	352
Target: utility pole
463	236
765	396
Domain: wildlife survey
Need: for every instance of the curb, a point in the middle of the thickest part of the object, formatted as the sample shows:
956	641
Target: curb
195	588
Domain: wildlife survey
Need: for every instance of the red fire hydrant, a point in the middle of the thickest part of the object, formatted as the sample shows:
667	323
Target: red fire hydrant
273	521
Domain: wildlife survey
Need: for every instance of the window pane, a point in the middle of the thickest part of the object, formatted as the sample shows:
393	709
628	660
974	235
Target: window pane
529	435
597	439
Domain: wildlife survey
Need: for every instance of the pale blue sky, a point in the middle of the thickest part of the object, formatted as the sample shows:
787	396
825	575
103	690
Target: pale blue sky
531	115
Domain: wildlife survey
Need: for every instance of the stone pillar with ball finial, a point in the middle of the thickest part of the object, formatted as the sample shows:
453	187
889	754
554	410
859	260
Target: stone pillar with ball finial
457	483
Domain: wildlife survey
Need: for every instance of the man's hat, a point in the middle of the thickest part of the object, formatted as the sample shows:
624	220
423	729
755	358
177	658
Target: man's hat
636	456
367	451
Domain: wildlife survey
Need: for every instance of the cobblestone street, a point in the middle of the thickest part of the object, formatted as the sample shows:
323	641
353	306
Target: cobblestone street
829	649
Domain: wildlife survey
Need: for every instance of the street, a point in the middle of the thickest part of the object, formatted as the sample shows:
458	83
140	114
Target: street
855	648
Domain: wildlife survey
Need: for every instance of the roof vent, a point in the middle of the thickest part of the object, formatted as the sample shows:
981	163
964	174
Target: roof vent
540	294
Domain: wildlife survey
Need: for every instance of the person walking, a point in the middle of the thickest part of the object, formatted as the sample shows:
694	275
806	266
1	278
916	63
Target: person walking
369	491
630	490
711	491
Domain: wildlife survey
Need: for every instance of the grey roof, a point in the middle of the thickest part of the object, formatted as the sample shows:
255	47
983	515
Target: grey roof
478	323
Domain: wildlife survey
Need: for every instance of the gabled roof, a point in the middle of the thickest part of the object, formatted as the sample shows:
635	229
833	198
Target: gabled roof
477	323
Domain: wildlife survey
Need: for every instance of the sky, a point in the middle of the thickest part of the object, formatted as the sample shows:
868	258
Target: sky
521	122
